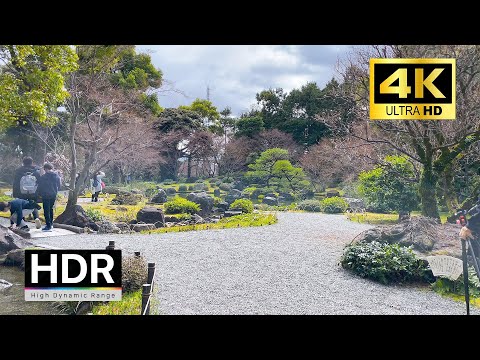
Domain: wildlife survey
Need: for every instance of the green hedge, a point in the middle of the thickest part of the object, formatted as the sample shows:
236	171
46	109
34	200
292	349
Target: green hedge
334	205
179	205
245	205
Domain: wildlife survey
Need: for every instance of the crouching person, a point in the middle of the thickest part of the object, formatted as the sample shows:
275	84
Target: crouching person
19	209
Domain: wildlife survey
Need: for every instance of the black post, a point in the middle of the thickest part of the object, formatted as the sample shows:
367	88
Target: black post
111	245
137	253
151	273
465	276
145	296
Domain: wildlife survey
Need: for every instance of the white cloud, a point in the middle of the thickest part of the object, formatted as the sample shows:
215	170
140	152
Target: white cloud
235	73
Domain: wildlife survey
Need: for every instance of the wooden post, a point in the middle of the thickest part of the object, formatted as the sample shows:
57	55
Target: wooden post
111	245
151	273
145	296
137	253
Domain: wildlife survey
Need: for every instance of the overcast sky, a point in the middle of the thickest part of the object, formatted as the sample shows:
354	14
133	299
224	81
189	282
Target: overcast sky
235	73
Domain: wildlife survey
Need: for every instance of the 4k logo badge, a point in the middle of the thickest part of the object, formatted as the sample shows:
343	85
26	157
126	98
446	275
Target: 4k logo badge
412	89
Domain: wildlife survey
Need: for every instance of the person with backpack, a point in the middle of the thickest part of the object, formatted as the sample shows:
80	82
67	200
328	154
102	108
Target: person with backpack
19	209
48	187
97	186
25	183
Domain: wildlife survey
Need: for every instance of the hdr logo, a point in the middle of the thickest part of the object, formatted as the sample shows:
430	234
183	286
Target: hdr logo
412	89
73	275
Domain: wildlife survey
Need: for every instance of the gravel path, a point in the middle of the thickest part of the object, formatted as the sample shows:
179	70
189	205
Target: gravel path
287	268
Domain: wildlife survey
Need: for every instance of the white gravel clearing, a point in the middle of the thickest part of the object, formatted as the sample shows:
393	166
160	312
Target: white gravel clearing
287	268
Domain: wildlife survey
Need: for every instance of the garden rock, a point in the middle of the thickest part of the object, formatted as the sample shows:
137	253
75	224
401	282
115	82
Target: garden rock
123	226
239	185
270	200
171	219
332	193
284	196
76	217
233	195
142	227
4	284
160	197
272	195
307	194
11	241
198	219
113	190
230	213
225	187
216	192
170	191
355	204
127	199
151	215
107	227
425	235
204	200
15	258
222	206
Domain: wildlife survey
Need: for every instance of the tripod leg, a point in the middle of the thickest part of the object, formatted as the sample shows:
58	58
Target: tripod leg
465	276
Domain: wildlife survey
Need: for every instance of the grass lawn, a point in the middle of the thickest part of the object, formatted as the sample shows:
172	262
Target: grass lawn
245	220
385	219
131	304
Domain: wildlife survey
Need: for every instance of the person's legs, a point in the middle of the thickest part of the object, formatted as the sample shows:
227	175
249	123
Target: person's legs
48	212
96	195
52	205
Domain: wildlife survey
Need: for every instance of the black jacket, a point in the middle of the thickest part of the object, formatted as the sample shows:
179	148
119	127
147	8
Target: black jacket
21	171
48	185
474	223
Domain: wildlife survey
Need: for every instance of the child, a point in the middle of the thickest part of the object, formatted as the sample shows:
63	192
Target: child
48	186
19	208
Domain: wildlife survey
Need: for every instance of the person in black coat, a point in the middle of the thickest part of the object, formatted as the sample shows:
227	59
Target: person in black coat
48	187
27	167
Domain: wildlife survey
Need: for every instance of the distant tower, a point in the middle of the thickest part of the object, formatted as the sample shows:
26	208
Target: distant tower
208	93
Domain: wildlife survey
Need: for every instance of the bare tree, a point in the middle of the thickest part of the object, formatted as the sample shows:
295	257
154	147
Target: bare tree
434	146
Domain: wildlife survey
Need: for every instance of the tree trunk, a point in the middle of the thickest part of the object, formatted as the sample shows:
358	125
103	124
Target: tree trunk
448	190
189	167
428	183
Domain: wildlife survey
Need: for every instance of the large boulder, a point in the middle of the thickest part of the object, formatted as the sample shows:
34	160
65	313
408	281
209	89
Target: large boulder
204	200
15	258
270	200
76	217
107	227
151	215
223	206
127	199
285	197
355	204
216	192
239	185
233	195
160	197
4	284
171	219
113	190
225	187
11	241
424	234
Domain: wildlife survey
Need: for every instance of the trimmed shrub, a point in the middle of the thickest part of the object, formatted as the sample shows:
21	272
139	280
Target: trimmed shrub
225	187
310	205
386	263
168	182
217	200
179	205
190	187
134	273
183	188
334	205
94	214
245	205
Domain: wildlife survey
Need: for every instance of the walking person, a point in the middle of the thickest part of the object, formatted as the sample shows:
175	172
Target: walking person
25	184
48	186
97	185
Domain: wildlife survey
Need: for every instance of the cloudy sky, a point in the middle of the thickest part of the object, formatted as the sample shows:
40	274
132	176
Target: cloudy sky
235	73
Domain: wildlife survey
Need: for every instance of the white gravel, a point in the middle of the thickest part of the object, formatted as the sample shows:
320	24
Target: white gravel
287	268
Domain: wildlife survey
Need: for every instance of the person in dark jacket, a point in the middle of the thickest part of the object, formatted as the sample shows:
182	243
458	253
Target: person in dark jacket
19	208
27	167
48	186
